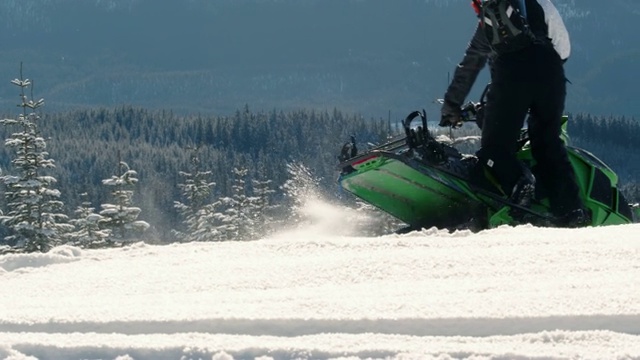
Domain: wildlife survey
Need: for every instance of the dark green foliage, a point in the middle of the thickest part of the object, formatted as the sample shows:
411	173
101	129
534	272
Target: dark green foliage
33	217
120	217
265	211
239	216
197	205
87	229
85	142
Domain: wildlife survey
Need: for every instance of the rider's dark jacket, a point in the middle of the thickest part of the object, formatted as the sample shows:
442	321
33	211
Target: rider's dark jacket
546	24
475	58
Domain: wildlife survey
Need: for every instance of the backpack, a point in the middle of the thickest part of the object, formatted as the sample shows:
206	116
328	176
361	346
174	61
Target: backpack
505	24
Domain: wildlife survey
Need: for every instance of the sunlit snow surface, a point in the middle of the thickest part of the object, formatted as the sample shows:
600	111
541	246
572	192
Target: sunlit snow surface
319	293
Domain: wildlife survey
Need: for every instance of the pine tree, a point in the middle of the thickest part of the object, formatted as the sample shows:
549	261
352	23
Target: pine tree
121	217
241	210
200	216
265	222
211	224
87	232
33	216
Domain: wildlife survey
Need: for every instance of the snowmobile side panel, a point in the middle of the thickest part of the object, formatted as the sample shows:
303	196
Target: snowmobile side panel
598	187
417	195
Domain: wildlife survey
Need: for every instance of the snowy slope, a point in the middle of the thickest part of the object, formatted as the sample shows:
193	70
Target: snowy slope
312	293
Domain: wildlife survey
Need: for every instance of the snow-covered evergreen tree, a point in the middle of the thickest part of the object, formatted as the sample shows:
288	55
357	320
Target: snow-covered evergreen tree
33	216
265	222
87	232
211	224
241	212
201	217
121	217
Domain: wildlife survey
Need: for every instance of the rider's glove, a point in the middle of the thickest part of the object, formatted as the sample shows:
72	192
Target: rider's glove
451	115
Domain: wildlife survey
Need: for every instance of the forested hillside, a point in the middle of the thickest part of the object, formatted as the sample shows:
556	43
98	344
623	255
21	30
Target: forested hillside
361	56
87	146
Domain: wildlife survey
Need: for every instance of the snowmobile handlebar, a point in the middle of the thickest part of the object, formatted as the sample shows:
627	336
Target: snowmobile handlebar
472	111
469	112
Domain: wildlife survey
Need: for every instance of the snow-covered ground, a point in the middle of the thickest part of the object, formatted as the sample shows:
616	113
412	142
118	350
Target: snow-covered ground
314	293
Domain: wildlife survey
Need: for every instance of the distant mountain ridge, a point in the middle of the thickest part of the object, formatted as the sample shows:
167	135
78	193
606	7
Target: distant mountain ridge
367	56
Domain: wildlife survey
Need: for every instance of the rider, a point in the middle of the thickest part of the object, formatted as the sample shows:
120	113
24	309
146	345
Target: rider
532	80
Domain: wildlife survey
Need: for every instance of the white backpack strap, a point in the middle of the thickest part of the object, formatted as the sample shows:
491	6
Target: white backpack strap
557	30
509	11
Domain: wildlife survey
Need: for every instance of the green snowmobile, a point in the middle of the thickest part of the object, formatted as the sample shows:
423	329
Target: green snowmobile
424	182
